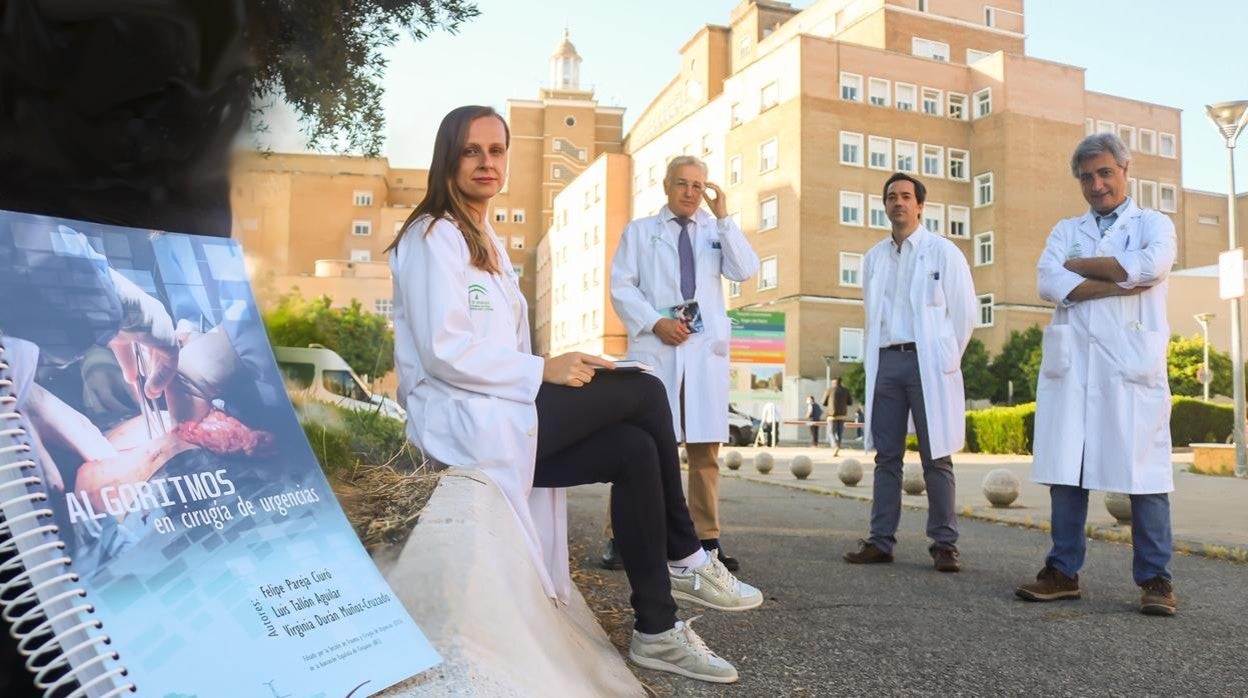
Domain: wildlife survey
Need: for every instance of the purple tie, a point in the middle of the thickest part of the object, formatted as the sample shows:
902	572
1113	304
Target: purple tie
688	277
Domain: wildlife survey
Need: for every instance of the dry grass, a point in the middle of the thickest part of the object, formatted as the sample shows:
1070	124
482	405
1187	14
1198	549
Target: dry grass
382	503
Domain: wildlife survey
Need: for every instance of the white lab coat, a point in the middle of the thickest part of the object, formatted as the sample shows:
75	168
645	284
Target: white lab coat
645	278
942	297
1103	399
469	380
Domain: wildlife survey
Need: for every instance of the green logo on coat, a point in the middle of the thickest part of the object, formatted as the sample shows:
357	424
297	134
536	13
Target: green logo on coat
478	298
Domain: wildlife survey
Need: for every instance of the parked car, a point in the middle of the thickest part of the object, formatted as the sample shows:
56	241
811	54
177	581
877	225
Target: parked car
323	375
741	427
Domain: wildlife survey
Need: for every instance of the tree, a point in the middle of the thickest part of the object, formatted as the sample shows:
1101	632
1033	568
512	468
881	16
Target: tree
1019	361
976	375
363	339
855	380
324	58
1184	358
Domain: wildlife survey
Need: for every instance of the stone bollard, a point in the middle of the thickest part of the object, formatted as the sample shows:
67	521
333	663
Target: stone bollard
801	467
733	459
1119	506
684	455
912	479
1001	487
763	462
850	471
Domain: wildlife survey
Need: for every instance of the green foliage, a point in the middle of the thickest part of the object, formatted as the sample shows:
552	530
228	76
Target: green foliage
363	339
1197	421
1184	357
855	380
342	438
1019	361
1001	429
976	375
325	59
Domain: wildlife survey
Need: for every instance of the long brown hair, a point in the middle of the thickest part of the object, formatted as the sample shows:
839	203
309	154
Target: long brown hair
443	199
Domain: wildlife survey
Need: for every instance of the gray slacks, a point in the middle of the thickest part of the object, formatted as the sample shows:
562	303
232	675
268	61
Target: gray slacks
898	394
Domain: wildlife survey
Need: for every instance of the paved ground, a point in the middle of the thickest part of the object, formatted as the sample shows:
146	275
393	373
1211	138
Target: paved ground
828	628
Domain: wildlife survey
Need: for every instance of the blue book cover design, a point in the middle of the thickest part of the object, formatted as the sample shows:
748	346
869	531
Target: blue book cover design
193	511
687	313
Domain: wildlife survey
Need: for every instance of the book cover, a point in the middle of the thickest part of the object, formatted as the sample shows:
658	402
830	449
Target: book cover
193	513
687	313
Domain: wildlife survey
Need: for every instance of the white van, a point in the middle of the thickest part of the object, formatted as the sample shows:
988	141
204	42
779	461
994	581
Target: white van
323	375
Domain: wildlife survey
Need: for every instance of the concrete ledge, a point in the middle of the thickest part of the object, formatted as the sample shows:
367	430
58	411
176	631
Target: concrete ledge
467	580
1213	459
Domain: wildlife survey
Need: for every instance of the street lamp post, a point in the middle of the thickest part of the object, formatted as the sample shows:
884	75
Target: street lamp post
1230	118
1205	377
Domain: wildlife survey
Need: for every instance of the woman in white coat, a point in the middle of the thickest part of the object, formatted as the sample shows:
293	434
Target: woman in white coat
477	397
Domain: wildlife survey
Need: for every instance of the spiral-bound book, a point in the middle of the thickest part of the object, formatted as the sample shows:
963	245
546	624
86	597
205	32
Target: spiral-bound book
165	529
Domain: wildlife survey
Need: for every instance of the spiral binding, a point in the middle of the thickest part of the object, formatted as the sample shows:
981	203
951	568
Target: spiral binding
29	623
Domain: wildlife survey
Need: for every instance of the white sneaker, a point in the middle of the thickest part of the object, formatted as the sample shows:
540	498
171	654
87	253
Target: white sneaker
712	585
681	651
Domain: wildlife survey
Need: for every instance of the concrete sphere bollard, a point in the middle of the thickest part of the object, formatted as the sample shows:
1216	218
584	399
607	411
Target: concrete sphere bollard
684	456
1119	506
912	479
850	471
801	467
763	462
1001	487
733	460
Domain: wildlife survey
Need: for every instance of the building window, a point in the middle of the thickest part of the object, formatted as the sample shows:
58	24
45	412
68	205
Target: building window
743	46
384	307
934	218
983	249
921	5
878	217
905	97
907	156
706	144
653	174
768	274
990	16
1208	219
985	311
957	106
1165	145
933	161
877	91
1148	141
851	269
734	115
1105	127
1148	194
1169	196
768	214
926	48
974	55
361	228
1127	134
1089	126
932	101
769	97
959	164
734	289
851	345
519	270
361	197
851	87
636	184
983	189
881	153
517	215
1133	189
361	256
587	199
734	170
851	149
851	208
983	102
767	155
570	121
517	242
500	215
959	221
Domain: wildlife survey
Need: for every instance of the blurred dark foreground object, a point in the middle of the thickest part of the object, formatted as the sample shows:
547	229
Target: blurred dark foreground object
122	111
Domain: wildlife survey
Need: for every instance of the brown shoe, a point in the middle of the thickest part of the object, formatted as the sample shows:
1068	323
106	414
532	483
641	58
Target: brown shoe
1050	585
946	560
867	554
1158	598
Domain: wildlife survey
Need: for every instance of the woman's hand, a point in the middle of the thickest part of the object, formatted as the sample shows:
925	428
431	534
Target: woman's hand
573	369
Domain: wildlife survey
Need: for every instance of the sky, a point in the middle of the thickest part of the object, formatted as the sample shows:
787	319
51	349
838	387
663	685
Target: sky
1178	54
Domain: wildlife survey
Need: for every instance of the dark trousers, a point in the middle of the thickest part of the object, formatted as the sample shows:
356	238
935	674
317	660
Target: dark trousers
814	434
618	429
838	431
899	394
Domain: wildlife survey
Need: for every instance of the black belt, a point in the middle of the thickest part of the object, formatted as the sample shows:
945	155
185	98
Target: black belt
908	346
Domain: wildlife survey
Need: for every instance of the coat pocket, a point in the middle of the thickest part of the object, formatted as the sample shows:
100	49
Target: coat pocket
935	292
1143	356
950	357
1056	348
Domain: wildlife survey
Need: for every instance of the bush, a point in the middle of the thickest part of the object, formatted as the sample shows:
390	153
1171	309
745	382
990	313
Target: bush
343	438
1001	429
1197	421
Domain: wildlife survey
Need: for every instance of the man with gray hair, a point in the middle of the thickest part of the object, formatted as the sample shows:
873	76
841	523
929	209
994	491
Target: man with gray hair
667	287
1103	400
